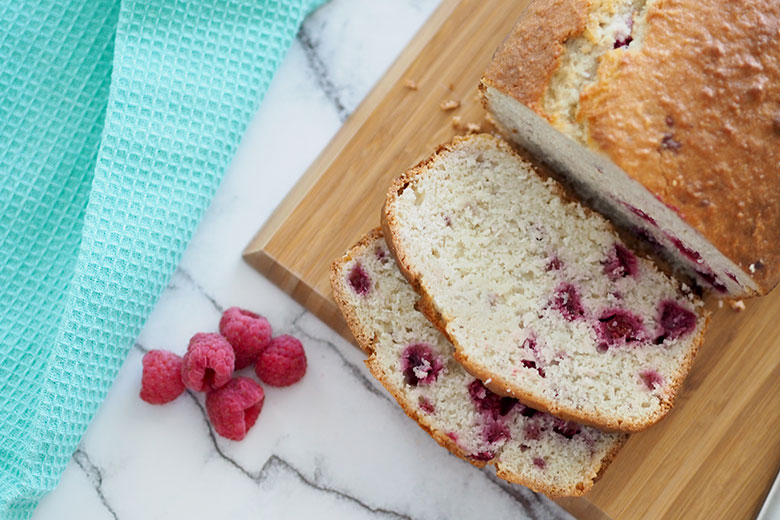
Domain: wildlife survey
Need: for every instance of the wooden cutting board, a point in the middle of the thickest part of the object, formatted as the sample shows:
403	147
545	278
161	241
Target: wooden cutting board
714	456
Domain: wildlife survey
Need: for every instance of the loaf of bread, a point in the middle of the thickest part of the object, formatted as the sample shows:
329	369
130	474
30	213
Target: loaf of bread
668	112
541	298
414	362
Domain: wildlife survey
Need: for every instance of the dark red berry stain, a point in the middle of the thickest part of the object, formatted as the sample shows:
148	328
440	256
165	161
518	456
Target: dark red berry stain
675	321
567	301
713	280
532	431
527	363
626	40
669	121
622	42
495	431
566	428
420	365
621	263
359	279
528	411
685	250
426	406
647	236
381	255
639	213
483	456
530	344
651	379
555	264
732	276
539	462
620	326
488	403
668	142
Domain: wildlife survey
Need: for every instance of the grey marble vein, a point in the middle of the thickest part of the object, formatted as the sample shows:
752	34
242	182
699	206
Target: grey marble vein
198	287
353	369
276	463
320	70
95	477
530	502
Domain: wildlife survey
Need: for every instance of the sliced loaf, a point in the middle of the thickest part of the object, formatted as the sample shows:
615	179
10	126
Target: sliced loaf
414	362
668	112
541	298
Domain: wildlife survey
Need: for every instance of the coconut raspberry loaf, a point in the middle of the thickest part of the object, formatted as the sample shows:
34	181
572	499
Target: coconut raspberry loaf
414	362
539	296
668	111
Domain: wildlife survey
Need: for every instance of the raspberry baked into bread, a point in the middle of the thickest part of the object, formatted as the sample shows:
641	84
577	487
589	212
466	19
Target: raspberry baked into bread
668	112
414	362
540	297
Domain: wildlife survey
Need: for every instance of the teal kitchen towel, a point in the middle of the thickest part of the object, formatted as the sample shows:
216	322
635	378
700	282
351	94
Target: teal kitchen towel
117	121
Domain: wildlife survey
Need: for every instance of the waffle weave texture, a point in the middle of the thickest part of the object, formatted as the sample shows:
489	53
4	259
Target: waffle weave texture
117	121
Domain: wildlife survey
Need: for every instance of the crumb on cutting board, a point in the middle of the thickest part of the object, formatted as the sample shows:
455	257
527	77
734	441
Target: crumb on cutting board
410	84
473	128
449	104
737	305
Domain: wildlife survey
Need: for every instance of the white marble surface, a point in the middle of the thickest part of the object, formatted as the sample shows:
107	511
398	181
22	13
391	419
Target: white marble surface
333	446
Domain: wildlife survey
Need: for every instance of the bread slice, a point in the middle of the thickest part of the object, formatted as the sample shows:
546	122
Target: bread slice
414	362
670	121
540	297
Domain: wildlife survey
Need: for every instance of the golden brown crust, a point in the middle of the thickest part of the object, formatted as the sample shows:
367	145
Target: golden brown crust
496	383
699	103
715	99
527	58
367	345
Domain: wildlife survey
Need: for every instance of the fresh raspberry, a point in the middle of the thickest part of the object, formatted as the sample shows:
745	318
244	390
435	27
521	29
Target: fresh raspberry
282	363
233	409
248	332
208	363
161	379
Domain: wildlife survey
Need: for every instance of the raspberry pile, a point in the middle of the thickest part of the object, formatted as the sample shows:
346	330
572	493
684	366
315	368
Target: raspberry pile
233	403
